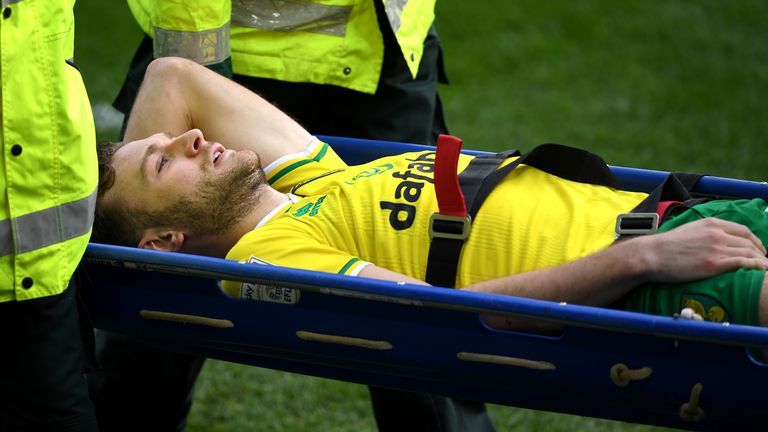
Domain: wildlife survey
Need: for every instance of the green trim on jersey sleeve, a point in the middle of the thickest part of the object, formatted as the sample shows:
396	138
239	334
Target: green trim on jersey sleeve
293	166
348	265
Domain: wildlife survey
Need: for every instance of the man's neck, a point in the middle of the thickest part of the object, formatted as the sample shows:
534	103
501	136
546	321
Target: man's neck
218	245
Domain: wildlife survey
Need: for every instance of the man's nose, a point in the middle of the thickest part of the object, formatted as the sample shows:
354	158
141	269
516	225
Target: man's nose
190	142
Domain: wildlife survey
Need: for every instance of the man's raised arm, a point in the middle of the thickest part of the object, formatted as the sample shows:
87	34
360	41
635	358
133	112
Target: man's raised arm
178	95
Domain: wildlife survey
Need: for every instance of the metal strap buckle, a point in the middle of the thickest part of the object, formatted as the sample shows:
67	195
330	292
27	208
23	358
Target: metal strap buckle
637	223
449	227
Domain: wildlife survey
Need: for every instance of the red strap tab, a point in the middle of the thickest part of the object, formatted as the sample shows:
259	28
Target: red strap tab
450	200
663	206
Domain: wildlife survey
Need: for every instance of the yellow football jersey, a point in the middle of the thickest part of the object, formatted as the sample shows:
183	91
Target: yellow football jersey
341	218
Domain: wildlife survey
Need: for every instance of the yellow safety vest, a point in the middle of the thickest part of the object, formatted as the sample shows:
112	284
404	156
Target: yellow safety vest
48	168
336	42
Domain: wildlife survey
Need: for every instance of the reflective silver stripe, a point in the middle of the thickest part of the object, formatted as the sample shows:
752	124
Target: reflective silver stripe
394	12
6	241
9	2
204	47
291	15
46	227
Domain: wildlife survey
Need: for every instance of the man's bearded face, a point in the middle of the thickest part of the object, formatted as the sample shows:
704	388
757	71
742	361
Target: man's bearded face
219	200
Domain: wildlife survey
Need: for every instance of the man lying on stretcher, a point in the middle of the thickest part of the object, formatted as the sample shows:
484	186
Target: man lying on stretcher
189	178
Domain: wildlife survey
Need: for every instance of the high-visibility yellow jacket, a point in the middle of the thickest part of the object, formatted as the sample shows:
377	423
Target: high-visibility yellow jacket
48	168
336	42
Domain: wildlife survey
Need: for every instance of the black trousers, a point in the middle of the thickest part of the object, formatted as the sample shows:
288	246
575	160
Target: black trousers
403	109
44	356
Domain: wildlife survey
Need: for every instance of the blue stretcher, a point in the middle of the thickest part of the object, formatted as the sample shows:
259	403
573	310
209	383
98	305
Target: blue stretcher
606	363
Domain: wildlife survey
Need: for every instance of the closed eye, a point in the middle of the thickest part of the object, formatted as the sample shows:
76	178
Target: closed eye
161	162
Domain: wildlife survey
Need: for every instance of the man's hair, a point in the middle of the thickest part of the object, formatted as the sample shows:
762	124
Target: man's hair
114	223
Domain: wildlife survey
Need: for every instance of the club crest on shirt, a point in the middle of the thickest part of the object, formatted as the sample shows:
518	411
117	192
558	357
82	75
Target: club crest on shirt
310	209
707	307
268	293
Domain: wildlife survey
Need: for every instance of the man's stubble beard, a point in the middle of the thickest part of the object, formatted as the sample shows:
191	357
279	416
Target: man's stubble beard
219	201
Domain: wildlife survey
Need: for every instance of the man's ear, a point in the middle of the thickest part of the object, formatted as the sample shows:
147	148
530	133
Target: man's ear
162	240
